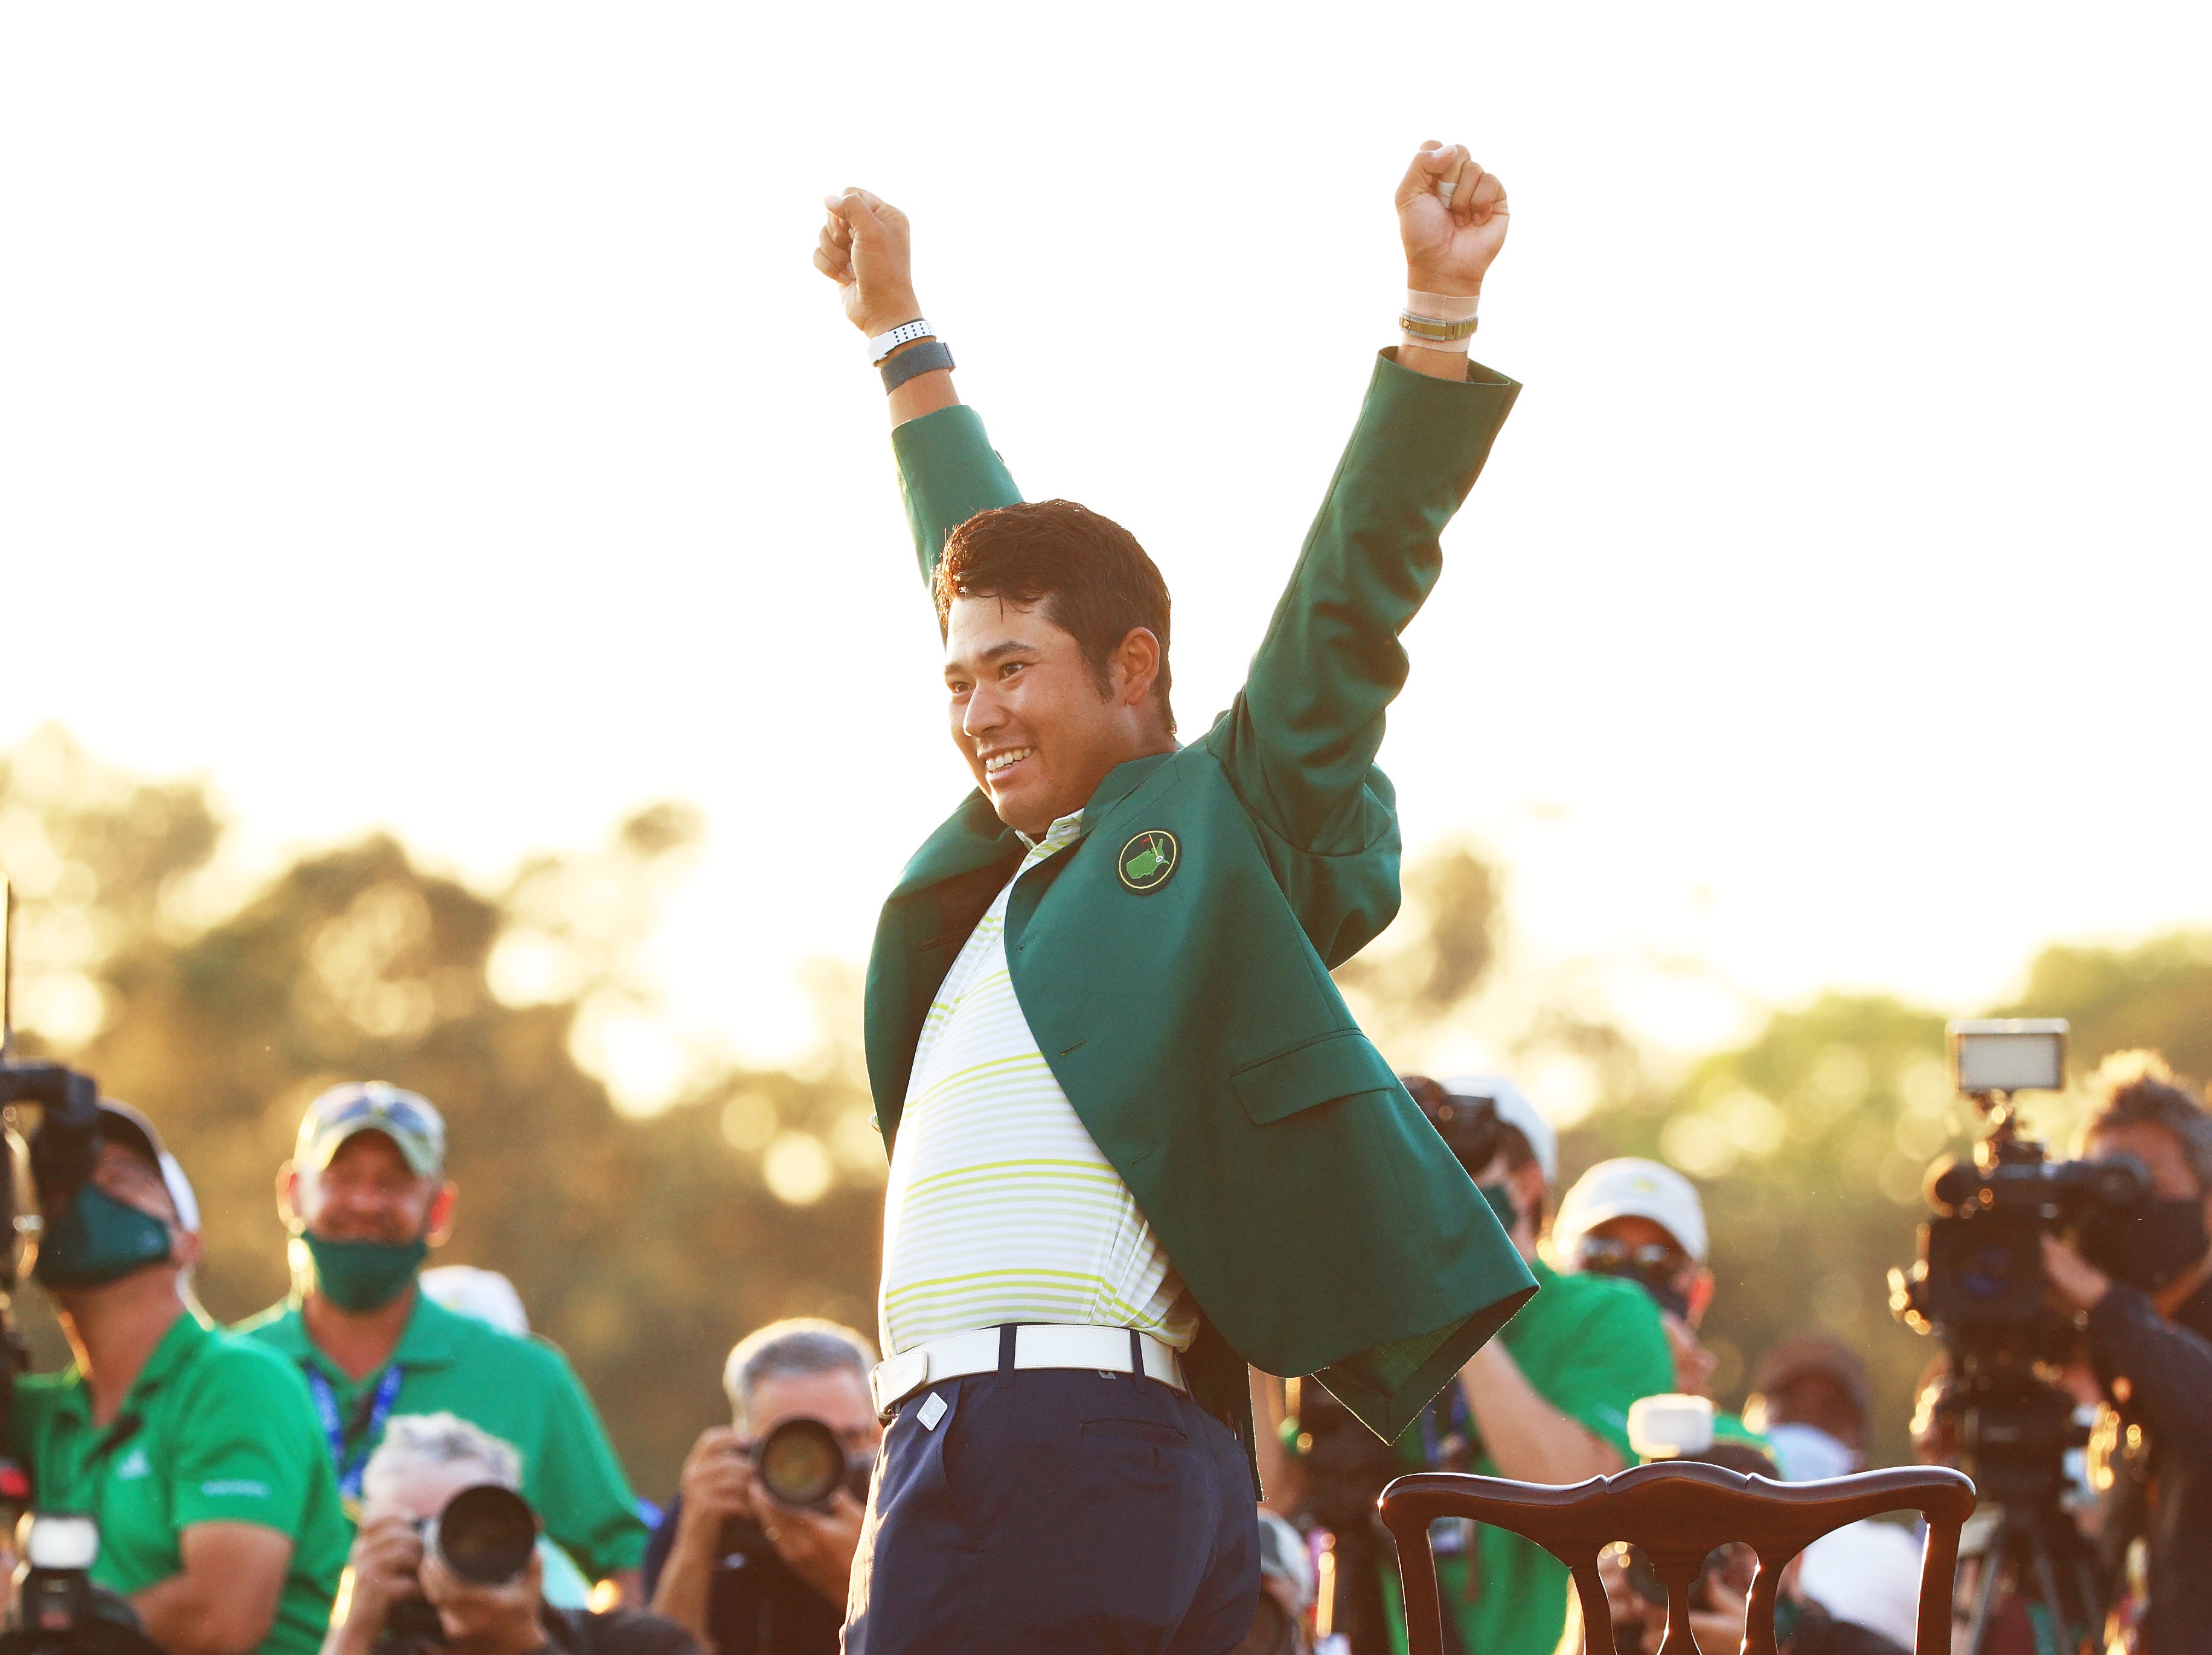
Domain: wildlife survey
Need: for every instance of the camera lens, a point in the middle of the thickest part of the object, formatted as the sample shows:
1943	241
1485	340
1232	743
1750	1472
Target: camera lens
486	1534
801	1462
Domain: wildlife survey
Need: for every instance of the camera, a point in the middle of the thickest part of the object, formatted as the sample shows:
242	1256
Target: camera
1978	1284
1468	1125
484	1536
1978	1279
802	1463
58	1110
55	1609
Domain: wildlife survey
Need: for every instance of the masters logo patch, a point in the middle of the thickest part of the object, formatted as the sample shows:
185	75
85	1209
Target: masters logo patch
1148	860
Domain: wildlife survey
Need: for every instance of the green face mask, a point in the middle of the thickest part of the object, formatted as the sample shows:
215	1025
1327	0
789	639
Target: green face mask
98	1240
361	1275
1500	1197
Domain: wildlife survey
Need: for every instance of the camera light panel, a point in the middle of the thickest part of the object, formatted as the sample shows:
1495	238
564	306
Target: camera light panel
2009	1055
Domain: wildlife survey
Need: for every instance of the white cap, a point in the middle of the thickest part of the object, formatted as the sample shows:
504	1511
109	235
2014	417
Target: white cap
1518	1112
1670	1426
482	1295
1629	1188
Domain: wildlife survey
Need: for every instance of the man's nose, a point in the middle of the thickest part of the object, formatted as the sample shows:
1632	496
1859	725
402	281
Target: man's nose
983	714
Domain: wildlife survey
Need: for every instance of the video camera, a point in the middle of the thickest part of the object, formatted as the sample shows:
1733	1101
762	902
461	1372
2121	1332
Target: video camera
1979	1281
49	1140
484	1537
1978	1284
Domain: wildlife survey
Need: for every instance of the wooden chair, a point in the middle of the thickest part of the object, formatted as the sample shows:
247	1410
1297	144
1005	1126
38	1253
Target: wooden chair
1675	1513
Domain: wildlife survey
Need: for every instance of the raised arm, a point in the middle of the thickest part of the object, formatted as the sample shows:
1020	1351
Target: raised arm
948	470
1302	737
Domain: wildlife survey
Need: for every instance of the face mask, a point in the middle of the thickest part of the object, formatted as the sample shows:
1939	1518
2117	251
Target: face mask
1500	1197
363	1275
98	1240
2146	1246
1805	1453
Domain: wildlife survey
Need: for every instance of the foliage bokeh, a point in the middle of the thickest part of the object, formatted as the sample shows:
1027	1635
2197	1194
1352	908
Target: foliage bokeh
644	1243
644	1247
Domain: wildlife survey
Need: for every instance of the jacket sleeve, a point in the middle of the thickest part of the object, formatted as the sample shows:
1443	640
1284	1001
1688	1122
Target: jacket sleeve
1303	734
948	471
2168	1369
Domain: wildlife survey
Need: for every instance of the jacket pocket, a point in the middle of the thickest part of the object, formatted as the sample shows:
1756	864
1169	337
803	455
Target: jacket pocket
1319	1072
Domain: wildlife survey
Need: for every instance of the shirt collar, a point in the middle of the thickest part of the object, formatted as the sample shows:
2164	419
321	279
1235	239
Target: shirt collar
1058	836
175	1347
430	1339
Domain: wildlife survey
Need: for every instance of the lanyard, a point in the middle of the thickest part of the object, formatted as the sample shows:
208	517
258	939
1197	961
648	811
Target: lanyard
346	1459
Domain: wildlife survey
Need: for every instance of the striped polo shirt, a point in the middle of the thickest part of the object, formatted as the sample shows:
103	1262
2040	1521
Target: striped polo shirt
1000	1207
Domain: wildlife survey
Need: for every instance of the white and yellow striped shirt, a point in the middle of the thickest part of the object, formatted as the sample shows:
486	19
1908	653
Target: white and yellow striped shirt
1000	1207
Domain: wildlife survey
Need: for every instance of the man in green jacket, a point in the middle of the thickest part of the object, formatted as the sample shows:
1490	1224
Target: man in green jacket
1136	1140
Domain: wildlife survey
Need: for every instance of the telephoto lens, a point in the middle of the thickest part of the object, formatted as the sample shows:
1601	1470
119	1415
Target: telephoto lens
801	1463
485	1535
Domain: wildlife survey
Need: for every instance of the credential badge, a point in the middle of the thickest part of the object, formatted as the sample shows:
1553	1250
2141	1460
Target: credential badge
1149	859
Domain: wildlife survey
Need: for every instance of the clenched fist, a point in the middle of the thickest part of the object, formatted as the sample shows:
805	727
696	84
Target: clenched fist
864	249
1451	216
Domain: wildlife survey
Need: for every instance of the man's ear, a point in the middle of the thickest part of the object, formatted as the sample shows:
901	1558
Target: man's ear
1134	667
1700	1294
440	1228
288	1197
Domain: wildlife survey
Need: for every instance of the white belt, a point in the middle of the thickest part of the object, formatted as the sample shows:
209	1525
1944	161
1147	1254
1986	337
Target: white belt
1035	1345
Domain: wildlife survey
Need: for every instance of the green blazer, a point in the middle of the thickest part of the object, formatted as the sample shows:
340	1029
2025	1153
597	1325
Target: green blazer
1317	1218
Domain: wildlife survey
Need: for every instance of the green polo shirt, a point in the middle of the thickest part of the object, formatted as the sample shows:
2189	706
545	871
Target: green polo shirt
1588	1345
223	1433
521	1391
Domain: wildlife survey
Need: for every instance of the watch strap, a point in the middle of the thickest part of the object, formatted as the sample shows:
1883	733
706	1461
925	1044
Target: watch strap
924	358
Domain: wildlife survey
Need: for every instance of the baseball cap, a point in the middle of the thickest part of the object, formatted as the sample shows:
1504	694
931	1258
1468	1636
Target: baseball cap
119	1123
1630	1187
484	1296
407	1119
1518	1112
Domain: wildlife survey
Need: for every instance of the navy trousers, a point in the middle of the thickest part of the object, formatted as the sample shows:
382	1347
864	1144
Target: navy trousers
1055	1510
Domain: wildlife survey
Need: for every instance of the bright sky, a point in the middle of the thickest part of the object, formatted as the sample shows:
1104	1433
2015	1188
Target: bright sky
427	416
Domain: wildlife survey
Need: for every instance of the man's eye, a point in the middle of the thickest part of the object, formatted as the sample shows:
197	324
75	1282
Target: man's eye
1010	668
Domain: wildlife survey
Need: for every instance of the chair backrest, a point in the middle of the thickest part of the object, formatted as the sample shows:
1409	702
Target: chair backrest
1677	1514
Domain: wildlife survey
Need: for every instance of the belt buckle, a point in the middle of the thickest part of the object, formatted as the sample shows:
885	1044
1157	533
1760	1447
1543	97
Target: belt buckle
896	1379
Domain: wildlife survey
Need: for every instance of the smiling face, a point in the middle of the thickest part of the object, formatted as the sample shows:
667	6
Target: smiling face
368	1193
1029	714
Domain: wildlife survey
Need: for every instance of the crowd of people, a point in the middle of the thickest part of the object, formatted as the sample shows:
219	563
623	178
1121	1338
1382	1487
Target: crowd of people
274	1487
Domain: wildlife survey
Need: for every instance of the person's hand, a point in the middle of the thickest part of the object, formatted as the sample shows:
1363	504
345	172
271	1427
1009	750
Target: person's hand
386	1554
864	249
817	1546
2075	1282
1448	248
718	1478
1693	1363
493	1620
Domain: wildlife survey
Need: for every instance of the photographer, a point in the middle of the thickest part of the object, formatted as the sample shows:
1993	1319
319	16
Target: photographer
2143	1277
404	1597
195	1452
744	1572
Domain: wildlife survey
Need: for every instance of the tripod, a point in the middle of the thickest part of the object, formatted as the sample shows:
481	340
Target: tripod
2032	1549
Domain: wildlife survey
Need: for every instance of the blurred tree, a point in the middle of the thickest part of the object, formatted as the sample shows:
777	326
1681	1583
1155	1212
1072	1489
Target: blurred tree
643	1246
2158	994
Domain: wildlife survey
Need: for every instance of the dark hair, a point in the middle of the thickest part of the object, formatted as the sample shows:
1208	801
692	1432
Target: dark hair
2136	1088
1093	579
